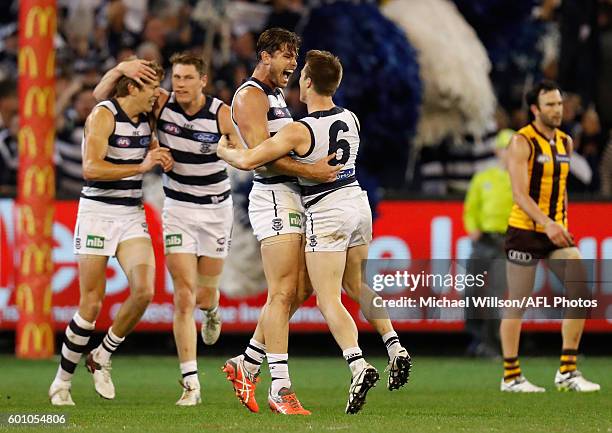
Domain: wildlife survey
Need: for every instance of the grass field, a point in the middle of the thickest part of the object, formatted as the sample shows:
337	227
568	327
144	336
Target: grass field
444	395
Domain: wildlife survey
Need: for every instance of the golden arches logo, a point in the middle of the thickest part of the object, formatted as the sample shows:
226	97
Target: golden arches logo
26	221
27	62
40	334
48	222
44	99
27	141
46	21
40	179
37	259
24	299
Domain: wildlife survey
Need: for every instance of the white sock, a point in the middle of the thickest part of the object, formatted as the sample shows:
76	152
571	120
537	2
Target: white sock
254	355
392	343
279	370
109	344
354	357
76	339
189	371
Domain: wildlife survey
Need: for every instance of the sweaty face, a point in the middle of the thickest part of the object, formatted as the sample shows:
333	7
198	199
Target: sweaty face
187	83
550	110
282	65
148	95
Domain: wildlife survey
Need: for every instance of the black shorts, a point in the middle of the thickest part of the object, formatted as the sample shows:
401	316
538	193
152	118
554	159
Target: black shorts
526	247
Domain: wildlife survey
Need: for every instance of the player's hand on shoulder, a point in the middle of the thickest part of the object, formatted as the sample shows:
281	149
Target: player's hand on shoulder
558	235
160	156
322	171
138	70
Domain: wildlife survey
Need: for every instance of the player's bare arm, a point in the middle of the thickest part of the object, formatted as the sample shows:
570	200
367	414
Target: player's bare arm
98	129
518	158
226	127
136	69
250	113
292	137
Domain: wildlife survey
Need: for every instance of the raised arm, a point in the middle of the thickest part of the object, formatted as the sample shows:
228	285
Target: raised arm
293	136
98	128
136	69
518	159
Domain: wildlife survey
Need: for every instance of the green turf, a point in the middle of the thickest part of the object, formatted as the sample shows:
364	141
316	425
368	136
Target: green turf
444	395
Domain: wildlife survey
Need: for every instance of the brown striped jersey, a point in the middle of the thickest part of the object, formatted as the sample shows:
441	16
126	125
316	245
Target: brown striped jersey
548	168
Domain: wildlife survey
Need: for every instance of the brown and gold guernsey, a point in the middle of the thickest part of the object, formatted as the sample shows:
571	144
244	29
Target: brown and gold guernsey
548	169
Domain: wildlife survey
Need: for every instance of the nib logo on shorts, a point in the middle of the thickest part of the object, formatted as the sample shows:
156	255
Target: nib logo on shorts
94	241
174	240
295	219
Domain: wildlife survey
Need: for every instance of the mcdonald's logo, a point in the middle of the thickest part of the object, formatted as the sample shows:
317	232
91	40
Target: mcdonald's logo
40	334
46	21
44	98
41	256
27	223
27	62
27	141
43	178
24	298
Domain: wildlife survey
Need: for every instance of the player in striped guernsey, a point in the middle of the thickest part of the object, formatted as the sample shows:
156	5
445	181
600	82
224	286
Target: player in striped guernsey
275	211
197	215
338	218
538	163
117	150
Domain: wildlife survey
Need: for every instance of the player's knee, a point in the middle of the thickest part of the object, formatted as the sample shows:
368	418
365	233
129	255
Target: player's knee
90	305
142	294
184	302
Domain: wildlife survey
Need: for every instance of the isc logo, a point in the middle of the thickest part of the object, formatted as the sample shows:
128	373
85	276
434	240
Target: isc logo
93	241
174	240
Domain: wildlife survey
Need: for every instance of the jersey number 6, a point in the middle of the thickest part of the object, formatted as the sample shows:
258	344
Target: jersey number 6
335	144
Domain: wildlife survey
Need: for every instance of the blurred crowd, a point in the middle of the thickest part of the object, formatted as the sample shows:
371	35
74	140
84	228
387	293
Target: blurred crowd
94	35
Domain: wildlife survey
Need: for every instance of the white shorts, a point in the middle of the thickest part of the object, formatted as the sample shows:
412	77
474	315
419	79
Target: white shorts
203	232
274	213
340	220
101	234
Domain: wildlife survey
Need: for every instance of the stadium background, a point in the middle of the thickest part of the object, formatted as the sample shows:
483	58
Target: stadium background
432	81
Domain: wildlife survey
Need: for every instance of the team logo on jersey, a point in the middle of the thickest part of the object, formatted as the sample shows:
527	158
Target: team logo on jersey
175	240
206	137
123	142
543	159
312	241
277	224
172	128
145	141
295	219
94	241
205	147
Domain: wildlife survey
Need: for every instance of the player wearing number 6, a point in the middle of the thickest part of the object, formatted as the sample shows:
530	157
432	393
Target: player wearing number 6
338	217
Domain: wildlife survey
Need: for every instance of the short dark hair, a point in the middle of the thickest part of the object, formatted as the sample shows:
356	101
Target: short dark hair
325	71
276	39
187	58
121	89
544	86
